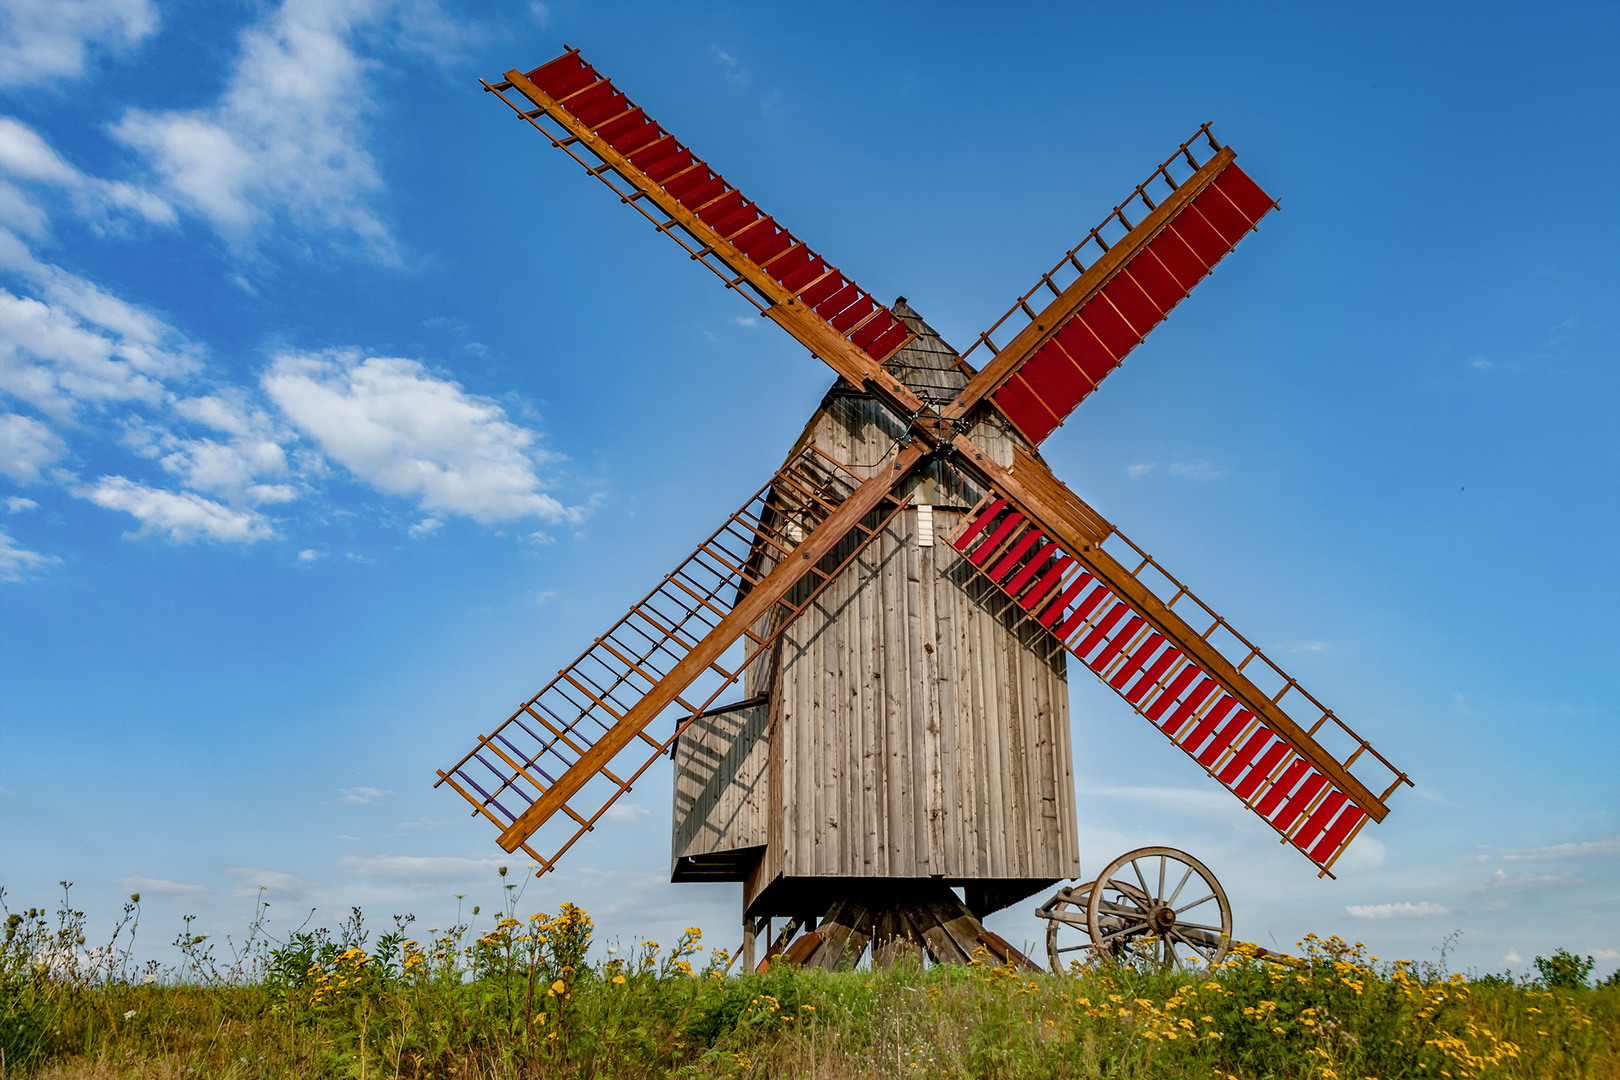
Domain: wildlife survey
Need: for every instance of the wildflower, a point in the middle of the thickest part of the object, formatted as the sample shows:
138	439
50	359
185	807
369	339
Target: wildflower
558	987
129	1014
618	980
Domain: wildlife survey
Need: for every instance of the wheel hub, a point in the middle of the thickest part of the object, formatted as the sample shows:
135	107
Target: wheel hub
1162	918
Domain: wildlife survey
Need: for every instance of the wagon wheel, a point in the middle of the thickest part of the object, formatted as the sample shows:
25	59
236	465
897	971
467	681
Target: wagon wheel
1159	904
1067	938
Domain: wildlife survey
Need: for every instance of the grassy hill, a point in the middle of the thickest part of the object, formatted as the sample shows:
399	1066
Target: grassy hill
522	1000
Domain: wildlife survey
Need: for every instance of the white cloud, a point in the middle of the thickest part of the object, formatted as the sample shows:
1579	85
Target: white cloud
1395	911
25	156
184	516
362	794
26	446
626	813
73	344
285	137
16	563
233	468
735	71
745	320
49	39
274	883
1512	957
407	433
161	887
1140	469
426	527
1606	954
16	504
418	870
308	555
1199	469
1500	880
1607	846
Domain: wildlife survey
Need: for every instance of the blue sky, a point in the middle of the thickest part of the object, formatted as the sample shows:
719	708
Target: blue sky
337	411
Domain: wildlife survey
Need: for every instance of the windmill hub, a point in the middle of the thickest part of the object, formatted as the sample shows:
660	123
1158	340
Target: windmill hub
860	732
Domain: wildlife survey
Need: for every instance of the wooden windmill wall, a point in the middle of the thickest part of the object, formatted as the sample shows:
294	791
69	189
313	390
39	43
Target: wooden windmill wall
900	730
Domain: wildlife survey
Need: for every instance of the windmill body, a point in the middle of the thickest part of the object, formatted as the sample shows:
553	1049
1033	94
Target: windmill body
860	675
905	728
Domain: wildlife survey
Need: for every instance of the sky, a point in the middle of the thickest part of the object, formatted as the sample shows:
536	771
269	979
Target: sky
338	411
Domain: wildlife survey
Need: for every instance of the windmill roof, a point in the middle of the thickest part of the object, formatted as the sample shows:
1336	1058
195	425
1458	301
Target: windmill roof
930	367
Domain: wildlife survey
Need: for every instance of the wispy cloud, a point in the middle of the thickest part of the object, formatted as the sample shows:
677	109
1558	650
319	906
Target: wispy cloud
356	795
181	516
734	69
1198	469
73	346
17	563
626	813
51	39
16	504
1419	910
26	447
1140	469
275	883
26	158
146	886
286	139
1502	880
1607	846
417	870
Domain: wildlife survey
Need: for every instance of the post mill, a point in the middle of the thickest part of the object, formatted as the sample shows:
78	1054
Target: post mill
860	676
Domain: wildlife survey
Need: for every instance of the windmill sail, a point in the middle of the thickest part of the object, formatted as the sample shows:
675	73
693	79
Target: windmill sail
584	739
1098	313
689	201
1206	699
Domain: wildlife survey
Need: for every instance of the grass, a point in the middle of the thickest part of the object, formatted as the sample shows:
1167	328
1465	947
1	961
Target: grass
522	1000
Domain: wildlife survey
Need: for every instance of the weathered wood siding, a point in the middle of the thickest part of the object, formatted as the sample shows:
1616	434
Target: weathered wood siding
919	736
720	783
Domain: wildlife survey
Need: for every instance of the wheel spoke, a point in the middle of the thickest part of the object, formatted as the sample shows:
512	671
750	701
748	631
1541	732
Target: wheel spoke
1195	903
1160	893
1172	899
1139	877
1201	926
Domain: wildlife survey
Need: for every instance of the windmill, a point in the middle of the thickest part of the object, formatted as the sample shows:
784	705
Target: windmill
860	676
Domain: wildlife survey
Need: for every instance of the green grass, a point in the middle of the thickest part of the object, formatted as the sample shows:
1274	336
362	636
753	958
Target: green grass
521	1000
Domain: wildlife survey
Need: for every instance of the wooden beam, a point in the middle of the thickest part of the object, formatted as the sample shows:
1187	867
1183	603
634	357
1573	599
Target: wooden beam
1032	488
812	331
1062	308
749	610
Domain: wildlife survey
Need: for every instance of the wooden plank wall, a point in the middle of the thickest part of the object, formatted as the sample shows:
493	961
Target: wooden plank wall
918	736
